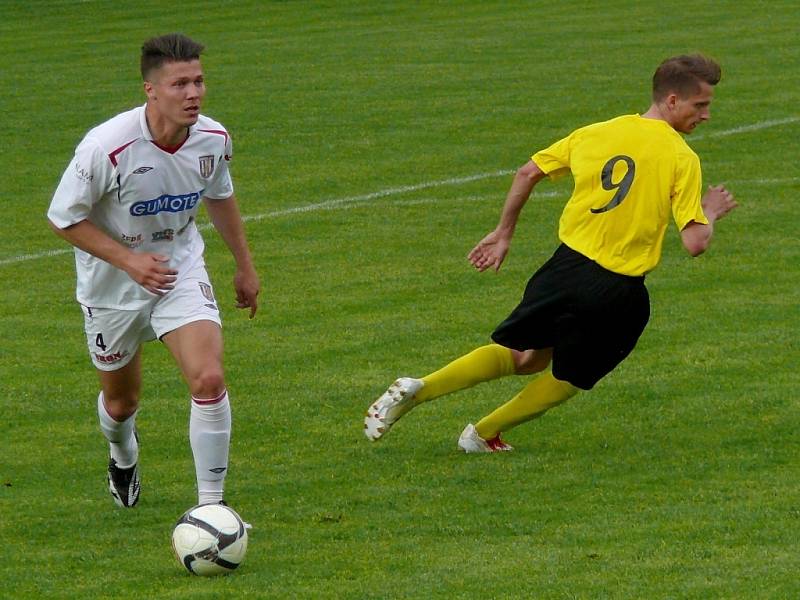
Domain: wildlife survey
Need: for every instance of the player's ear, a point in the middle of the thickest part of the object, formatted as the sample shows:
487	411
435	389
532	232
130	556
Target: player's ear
149	90
671	100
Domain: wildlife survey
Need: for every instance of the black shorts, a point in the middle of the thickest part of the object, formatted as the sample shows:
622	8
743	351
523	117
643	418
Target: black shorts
590	316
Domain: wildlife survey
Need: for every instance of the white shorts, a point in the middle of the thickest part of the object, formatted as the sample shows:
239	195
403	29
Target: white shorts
114	336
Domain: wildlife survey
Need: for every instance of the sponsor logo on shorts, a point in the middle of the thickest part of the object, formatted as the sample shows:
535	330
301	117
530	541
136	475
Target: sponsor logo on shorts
142	170
131	241
83	175
206	290
110	359
165	203
206	165
163	236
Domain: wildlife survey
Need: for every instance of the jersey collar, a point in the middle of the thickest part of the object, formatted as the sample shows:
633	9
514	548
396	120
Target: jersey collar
149	136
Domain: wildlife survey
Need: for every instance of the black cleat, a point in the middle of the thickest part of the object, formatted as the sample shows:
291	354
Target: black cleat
123	484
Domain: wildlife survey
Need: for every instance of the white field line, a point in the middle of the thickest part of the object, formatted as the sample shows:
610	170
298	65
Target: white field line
361	198
746	128
327	204
355	202
26	257
776	180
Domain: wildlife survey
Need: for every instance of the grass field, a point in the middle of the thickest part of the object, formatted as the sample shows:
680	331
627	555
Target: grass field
374	143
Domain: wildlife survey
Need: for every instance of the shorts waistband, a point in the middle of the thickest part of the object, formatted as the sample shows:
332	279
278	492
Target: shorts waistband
566	250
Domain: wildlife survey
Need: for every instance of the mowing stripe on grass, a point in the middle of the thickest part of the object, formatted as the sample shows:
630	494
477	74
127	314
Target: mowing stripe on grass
361	198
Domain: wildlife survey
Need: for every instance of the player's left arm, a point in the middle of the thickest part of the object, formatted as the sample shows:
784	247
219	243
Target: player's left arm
227	220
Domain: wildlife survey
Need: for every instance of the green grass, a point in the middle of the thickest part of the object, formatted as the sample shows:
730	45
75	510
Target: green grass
676	477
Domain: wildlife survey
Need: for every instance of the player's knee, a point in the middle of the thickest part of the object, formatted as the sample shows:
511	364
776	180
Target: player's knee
210	383
532	361
121	405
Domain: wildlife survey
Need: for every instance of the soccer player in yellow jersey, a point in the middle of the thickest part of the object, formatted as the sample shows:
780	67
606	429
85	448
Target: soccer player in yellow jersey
583	311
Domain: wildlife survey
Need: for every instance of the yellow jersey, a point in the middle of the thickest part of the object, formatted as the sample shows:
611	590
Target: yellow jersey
630	173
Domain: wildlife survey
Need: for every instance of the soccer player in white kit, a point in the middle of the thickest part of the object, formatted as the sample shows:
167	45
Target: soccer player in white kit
128	202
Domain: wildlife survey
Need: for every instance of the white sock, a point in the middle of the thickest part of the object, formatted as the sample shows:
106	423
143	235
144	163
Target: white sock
124	448
210	435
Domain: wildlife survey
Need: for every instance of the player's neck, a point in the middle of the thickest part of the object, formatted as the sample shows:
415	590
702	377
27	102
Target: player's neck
165	133
655	112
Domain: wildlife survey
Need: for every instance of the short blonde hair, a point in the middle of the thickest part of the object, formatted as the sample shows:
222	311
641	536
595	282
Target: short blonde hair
683	74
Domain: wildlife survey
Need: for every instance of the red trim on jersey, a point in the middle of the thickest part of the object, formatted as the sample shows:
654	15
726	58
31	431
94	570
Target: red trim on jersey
204	401
170	149
113	154
217	131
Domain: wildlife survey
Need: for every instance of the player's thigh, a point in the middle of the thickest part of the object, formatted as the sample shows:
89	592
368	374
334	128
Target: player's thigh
113	337
532	322
196	347
589	346
187	321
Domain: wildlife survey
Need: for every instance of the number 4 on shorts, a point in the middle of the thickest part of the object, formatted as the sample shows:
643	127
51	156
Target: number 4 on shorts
98	341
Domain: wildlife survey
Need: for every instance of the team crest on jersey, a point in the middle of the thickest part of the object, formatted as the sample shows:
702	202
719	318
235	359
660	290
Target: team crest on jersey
206	165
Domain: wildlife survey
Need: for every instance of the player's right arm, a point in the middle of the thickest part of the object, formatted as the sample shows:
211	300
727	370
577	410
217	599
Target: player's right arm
88	178
717	202
491	251
146	269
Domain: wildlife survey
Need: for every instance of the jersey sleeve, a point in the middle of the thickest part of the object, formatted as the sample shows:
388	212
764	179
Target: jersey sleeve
555	159
221	186
86	180
686	205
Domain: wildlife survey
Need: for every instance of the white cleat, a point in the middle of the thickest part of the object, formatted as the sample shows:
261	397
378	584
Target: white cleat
470	442
393	404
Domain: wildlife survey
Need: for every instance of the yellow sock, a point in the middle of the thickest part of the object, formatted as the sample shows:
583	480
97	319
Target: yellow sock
482	364
536	398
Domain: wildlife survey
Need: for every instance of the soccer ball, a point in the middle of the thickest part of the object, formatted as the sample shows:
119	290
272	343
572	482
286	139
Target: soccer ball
210	539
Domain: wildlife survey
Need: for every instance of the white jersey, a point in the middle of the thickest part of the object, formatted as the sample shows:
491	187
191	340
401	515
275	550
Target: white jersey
143	196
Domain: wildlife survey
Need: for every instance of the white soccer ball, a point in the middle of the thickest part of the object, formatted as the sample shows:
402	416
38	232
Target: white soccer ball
210	539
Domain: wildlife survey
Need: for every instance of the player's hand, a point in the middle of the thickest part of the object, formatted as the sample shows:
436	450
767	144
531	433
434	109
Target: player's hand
150	272
247	286
490	252
717	202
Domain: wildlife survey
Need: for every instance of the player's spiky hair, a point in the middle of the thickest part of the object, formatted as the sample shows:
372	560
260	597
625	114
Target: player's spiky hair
172	47
682	75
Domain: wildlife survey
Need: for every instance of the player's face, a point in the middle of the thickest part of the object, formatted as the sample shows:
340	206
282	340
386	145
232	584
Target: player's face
176	91
688	112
